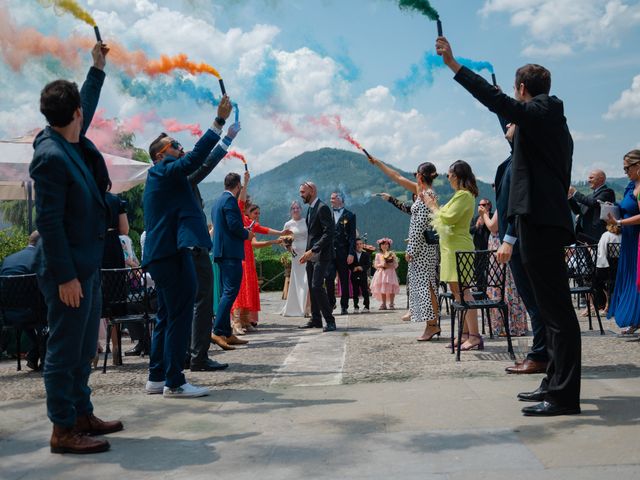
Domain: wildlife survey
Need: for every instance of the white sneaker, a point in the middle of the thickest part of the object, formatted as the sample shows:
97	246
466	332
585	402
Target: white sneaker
153	388
356	310
365	310
185	391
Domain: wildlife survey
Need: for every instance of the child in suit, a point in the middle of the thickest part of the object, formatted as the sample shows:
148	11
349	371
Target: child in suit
385	284
360	276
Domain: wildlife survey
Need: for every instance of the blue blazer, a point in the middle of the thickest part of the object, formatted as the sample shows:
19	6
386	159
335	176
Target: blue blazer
19	263
229	233
173	219
70	182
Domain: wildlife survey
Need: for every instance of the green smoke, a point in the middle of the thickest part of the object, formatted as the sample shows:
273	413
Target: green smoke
421	6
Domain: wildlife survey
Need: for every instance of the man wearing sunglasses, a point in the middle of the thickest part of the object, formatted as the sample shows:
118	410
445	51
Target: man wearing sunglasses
175	227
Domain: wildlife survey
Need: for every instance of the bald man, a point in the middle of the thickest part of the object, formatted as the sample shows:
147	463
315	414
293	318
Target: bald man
589	227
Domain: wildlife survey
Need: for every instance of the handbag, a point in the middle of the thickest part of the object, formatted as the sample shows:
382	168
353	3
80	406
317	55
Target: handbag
431	237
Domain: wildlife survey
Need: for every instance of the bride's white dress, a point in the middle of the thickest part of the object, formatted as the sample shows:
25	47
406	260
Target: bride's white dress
298	287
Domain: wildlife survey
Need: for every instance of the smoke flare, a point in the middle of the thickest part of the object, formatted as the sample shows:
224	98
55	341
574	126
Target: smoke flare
421	6
69	6
234	154
172	125
334	123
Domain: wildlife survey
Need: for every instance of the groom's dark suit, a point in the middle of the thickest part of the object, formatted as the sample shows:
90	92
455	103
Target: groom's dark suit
320	227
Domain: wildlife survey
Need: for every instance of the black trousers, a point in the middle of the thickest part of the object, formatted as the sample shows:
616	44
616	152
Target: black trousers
338	265
360	286
320	306
203	308
542	250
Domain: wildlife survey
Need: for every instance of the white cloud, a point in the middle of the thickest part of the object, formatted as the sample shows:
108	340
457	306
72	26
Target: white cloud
628	105
483	151
567	25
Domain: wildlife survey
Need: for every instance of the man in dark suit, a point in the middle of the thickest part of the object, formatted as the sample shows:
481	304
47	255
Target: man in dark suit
70	179
229	235
318	257
360	276
540	179
344	245
537	359
203	313
589	227
174	225
21	263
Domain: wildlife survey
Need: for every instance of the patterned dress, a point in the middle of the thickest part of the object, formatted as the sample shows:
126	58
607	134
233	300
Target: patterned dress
423	267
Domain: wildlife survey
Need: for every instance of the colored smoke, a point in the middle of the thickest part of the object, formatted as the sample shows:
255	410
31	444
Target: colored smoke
334	124
172	125
422	74
177	88
421	6
264	83
234	154
69	6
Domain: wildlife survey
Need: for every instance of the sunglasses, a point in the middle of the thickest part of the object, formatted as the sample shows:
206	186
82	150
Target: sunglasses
173	144
483	204
626	169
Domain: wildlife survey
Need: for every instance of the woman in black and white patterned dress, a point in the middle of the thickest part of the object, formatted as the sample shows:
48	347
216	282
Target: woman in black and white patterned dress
422	257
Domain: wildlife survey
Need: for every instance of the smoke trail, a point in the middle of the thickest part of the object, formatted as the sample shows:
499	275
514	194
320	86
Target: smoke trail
334	123
421	6
234	154
422	74
69	6
172	125
264	83
156	92
107	135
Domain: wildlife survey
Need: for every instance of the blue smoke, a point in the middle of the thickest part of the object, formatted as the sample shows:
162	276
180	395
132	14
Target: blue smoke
177	89
264	83
422	74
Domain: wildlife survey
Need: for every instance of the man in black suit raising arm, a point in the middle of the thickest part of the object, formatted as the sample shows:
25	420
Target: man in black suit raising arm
541	174
318	257
589	227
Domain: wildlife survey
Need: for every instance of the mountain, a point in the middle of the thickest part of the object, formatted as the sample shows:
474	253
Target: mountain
332	169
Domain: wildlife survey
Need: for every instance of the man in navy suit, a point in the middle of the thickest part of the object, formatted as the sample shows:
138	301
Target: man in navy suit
70	179
175	227
21	263
318	257
229	235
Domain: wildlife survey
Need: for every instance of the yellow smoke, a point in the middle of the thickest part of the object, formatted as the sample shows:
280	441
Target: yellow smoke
72	7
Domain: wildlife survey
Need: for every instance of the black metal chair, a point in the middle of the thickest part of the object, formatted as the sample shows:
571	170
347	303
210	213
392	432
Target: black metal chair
581	269
445	297
493	276
613	255
125	299
22	307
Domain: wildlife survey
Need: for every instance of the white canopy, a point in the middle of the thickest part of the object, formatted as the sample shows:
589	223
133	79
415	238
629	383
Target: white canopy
16	155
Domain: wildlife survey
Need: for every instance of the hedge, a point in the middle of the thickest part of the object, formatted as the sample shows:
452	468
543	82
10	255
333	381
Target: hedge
12	240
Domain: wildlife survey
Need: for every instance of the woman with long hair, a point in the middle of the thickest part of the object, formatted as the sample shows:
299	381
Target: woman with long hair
421	255
452	223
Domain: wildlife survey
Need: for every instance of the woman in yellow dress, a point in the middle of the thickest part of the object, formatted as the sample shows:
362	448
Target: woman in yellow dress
452	224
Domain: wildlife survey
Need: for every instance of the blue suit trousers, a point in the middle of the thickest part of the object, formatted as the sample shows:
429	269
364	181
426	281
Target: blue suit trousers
231	278
175	279
73	339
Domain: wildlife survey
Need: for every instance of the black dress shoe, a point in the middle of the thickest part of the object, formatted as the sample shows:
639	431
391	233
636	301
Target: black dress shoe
536	396
344	311
33	365
311	324
135	351
208	366
546	409
331	327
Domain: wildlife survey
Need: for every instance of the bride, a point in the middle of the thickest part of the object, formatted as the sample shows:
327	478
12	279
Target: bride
296	303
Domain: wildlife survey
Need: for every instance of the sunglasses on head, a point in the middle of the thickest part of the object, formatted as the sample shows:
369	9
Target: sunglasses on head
173	144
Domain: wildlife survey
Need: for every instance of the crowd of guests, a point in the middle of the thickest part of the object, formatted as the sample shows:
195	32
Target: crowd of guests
80	225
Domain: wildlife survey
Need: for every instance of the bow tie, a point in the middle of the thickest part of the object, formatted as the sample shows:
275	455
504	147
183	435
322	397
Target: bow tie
337	209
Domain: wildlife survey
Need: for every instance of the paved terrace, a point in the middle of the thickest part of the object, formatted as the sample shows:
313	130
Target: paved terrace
365	402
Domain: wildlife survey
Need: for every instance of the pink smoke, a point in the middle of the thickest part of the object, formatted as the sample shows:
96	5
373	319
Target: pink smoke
334	123
172	125
234	154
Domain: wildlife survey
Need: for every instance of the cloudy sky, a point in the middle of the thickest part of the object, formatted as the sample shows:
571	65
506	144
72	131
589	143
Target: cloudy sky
288	63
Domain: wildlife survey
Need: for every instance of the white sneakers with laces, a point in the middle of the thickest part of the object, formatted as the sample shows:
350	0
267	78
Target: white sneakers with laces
185	391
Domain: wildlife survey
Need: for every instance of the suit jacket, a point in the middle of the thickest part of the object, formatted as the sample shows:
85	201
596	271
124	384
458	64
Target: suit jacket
542	152
364	262
229	233
502	183
19	263
320	231
588	209
70	182
173	219
344	238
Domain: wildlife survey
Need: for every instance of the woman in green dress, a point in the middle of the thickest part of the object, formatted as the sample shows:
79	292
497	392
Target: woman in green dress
452	223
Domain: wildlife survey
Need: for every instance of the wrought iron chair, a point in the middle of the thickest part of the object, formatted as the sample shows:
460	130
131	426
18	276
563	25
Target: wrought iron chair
125	299
613	255
581	269
22	306
493	276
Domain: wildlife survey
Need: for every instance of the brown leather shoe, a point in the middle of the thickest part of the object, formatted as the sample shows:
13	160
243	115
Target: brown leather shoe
528	366
92	425
233	340
68	440
221	342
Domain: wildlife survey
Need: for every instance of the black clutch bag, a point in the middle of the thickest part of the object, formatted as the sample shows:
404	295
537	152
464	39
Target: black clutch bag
431	237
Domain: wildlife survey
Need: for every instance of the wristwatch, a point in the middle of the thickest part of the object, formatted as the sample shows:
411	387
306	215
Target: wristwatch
220	121
619	223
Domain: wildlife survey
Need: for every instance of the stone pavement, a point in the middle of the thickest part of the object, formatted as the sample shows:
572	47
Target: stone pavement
365	402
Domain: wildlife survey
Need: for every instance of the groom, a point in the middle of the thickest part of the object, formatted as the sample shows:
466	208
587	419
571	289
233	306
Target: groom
318	257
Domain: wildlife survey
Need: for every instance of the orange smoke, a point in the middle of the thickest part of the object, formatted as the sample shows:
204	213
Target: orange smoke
178	62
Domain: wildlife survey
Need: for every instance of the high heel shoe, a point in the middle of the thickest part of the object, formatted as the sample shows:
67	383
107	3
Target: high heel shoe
477	346
427	337
465	337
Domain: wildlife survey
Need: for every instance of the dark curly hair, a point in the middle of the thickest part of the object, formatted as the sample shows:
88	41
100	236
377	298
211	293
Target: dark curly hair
427	172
